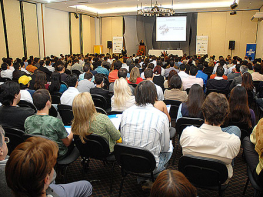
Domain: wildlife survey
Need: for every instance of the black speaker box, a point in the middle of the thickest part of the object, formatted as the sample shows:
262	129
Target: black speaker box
231	45
109	44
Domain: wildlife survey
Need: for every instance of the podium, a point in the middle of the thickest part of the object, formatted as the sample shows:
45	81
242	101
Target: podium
142	50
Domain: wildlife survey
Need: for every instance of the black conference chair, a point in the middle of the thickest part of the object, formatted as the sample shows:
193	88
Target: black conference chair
99	101
174	108
133	85
204	172
15	136
62	164
77	72
56	97
95	147
225	92
23	103
135	161
249	149
100	110
181	124
245	129
114	112
53	112
256	85
66	113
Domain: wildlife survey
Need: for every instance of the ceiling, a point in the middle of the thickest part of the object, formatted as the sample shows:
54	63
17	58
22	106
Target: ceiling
129	7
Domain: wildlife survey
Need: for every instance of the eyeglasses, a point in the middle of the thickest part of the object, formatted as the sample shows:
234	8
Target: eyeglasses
7	140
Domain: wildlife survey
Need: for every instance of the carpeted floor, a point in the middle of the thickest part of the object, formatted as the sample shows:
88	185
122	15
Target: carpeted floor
99	175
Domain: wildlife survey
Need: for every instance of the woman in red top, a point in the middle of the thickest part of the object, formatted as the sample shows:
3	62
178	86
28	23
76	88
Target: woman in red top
135	76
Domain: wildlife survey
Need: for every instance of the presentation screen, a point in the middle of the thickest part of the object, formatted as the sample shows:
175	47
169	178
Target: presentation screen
171	28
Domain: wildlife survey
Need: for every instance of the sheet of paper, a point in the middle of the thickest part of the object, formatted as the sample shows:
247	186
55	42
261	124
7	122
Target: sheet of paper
116	120
68	129
168	108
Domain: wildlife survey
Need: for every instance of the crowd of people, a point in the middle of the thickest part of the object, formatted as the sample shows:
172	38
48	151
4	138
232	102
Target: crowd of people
221	92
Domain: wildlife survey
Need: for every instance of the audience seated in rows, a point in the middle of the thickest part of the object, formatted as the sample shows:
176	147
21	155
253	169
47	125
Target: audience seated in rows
218	83
238	80
85	85
191	79
201	74
30	171
87	121
210	140
56	85
134	76
10	114
49	126
113	75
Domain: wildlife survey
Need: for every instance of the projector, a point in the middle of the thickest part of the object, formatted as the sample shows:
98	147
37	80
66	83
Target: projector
234	5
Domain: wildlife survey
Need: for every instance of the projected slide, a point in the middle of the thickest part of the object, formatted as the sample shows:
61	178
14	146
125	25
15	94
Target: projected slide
171	28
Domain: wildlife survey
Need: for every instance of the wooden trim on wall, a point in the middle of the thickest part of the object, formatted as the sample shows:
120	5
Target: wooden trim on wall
81	33
70	35
23	28
4	26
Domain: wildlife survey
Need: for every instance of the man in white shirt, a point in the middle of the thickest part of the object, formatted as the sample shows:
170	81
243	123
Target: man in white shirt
182	72
49	66
148	74
210	140
6	72
143	125
85	85
189	81
256	76
69	95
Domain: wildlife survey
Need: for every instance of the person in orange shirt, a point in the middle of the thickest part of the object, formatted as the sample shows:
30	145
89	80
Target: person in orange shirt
30	67
114	74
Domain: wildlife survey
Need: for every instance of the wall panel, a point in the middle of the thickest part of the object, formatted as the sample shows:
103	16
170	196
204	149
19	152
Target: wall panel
92	33
87	48
56	32
75	34
221	27
2	38
14	28
31	29
111	27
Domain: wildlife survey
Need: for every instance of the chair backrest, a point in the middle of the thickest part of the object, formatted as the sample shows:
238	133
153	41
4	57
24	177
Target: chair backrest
134	159
187	90
77	72
114	112
66	113
203	172
174	108
100	110
245	129
184	122
23	103
15	136
256	84
99	101
95	146
63	82
56	97
133	85
53	112
225	92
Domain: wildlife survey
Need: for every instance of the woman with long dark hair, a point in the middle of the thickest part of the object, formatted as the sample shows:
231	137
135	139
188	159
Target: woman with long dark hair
40	81
239	109
56	85
192	107
247	83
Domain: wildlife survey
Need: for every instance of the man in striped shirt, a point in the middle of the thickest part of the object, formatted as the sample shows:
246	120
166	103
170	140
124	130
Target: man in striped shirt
145	126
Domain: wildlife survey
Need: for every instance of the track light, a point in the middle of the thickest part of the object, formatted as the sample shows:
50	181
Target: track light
233	12
234	5
76	15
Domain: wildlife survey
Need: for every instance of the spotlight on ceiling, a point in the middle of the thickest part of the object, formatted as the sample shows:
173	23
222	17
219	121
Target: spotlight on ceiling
76	15
233	12
234	5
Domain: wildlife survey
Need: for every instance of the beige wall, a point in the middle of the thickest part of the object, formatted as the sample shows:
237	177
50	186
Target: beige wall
88	34
221	27
31	29
111	27
75	35
14	30
2	39
259	53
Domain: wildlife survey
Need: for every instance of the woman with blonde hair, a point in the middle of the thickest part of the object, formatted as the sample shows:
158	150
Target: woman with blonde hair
122	98
87	121
135	76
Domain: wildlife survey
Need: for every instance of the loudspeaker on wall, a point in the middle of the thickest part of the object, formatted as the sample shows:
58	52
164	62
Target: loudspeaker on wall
109	44
231	45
